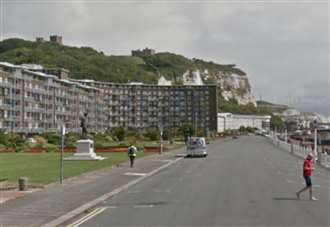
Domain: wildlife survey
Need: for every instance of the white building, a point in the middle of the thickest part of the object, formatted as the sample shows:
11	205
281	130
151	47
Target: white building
229	121
163	82
32	66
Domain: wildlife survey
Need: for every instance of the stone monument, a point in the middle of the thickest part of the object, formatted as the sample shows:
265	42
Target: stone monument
85	147
85	151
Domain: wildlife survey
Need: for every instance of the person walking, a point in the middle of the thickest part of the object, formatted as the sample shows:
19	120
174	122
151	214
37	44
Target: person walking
307	173
131	154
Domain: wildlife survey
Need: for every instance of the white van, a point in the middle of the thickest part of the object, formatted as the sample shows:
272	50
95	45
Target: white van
196	146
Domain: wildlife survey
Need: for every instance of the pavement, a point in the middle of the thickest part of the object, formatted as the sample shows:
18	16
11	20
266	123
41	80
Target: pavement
9	195
54	203
243	182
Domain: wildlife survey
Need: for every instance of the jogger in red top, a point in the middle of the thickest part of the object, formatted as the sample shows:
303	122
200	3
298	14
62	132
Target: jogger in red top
307	173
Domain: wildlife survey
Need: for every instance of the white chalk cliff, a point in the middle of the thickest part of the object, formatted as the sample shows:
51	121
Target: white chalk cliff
231	85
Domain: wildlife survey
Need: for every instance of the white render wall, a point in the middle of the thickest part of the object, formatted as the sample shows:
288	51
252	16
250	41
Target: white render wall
228	121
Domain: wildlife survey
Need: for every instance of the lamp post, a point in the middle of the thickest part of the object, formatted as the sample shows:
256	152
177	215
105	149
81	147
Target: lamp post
315	143
161	141
62	153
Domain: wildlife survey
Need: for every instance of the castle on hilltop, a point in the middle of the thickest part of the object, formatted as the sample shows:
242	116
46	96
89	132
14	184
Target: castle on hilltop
145	52
53	39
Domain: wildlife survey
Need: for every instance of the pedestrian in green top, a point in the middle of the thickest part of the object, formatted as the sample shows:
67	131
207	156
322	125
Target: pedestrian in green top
131	154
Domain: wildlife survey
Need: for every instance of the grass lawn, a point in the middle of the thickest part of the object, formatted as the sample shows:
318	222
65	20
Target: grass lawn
43	168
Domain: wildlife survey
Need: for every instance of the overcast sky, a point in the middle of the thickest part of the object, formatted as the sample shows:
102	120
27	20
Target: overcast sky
282	45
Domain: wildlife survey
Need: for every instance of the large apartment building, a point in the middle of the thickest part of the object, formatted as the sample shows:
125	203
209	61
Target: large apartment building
137	105
32	102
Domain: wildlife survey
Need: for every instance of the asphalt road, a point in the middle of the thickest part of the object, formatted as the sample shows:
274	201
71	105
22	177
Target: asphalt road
243	182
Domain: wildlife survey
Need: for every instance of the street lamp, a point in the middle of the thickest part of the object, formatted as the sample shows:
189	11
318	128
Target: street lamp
62	153
161	140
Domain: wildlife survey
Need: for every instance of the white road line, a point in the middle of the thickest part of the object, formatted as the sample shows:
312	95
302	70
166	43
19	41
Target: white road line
290	181
106	196
88	217
135	174
133	192
162	191
143	206
180	155
111	207
163	160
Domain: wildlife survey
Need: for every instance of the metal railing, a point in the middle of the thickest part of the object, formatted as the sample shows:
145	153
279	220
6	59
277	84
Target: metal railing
322	159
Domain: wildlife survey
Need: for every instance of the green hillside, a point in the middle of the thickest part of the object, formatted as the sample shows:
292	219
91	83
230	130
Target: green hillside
86	62
272	106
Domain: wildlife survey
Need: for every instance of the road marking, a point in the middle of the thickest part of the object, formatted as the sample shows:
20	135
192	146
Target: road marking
290	181
133	192
143	206
80	209
162	191
180	155
111	207
88	217
135	174
163	160
317	185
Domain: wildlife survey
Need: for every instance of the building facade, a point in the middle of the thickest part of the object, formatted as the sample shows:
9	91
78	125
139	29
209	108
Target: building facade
34	102
145	52
229	121
56	39
141	106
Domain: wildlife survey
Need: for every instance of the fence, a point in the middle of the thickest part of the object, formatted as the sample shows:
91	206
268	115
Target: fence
300	151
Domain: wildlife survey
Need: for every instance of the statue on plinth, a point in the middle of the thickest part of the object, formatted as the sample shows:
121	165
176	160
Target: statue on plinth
83	125
84	146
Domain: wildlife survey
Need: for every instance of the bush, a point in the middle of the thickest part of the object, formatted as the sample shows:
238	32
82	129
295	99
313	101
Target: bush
52	138
119	133
26	146
152	134
13	140
133	136
102	140
71	138
40	142
123	144
242	128
52	148
250	129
